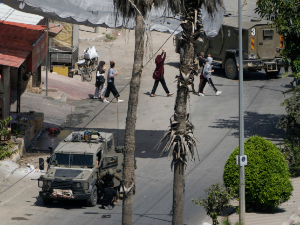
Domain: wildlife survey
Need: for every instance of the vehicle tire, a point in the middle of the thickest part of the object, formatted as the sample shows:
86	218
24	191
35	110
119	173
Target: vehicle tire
47	201
252	70
273	73
231	70
87	74
92	201
181	54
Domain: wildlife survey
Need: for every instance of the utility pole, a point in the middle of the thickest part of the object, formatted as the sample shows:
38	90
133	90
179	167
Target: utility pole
47	56
241	117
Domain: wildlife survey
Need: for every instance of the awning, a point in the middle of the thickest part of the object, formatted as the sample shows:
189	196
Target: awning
17	40
92	13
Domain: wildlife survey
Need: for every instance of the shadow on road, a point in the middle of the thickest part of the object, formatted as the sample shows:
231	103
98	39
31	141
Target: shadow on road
66	204
261	124
174	64
145	140
248	76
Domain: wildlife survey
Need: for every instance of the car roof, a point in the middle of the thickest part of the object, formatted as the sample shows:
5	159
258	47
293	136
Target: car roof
78	147
69	146
247	22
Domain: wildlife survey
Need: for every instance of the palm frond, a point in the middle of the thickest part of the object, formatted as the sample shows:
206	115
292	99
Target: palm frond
179	146
126	8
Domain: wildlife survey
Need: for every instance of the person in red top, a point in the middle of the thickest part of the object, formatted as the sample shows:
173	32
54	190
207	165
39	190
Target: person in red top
158	74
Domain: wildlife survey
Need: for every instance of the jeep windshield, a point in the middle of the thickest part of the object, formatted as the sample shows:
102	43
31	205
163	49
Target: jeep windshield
73	159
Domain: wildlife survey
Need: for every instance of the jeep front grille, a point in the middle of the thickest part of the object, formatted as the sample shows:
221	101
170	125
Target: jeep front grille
61	184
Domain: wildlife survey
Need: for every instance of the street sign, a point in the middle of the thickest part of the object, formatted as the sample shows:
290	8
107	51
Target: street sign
241	160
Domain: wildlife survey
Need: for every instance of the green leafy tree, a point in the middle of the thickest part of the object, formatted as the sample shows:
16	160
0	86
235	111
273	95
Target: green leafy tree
291	122
218	198
267	183
286	17
3	123
291	152
291	125
5	150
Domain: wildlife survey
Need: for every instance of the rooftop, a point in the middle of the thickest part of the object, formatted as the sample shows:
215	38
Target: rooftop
17	41
12	15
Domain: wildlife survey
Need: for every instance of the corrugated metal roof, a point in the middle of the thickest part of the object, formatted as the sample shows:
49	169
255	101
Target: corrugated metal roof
17	41
10	14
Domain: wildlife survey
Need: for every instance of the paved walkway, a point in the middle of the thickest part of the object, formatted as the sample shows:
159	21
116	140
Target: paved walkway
73	87
286	214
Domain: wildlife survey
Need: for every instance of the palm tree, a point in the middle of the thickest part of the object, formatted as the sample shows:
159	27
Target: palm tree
129	9
180	138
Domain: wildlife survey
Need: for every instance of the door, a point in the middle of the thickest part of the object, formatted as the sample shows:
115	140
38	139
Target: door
216	44
267	42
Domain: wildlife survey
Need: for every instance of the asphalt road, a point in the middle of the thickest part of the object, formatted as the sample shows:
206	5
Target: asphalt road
216	128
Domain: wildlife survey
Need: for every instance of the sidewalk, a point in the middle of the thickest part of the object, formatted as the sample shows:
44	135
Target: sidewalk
286	214
73	87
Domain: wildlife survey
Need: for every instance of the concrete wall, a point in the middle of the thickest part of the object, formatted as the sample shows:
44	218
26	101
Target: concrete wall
32	84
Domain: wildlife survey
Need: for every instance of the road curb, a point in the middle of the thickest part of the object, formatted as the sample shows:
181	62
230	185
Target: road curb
292	218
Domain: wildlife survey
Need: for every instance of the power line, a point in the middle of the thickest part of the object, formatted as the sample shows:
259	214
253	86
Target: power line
90	120
28	173
130	81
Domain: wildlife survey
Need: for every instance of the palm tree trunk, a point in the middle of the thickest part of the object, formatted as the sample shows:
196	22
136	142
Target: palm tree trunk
128	171
178	193
180	116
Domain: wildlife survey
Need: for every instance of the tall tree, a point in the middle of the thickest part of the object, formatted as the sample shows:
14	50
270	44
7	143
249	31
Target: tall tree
179	139
286	18
129	9
181	131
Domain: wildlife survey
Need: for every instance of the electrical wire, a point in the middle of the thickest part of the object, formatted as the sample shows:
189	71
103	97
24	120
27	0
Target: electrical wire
28	173
130	81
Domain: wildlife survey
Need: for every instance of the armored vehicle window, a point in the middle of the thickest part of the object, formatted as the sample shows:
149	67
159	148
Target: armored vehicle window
110	162
74	159
109	144
268	34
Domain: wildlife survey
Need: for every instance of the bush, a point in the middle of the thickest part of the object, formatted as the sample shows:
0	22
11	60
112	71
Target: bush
291	152
218	198
291	122
267	175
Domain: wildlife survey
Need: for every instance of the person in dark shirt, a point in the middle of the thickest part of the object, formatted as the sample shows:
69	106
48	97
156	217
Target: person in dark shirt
109	196
201	66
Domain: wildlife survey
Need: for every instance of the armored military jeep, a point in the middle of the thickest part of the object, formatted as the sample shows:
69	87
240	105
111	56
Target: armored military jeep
72	172
261	46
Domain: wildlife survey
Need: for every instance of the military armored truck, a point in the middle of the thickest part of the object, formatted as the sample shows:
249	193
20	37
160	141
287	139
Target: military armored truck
72	172
261	46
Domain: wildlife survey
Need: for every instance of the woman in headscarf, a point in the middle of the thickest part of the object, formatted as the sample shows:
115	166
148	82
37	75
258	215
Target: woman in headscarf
158	74
207	75
100	80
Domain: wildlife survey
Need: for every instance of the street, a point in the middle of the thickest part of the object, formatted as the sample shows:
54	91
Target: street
216	128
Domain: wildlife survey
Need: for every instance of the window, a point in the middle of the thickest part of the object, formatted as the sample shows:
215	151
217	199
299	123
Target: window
110	162
268	34
73	159
109	144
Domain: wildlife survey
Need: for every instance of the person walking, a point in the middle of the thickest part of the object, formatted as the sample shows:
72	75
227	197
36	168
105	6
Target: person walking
100	80
158	74
111	85
207	75
201	65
